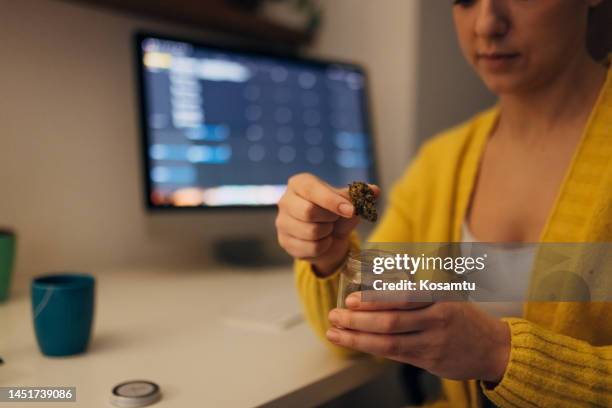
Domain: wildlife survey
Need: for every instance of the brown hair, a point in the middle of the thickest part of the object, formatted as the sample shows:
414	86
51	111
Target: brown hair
599	36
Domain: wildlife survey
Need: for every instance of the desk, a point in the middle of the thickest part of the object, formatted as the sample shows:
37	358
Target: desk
166	326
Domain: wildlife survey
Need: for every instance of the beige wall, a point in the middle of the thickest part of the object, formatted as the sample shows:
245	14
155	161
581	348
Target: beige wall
69	144
448	90
70	179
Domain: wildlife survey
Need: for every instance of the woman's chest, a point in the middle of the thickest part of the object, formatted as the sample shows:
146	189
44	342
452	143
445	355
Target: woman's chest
515	191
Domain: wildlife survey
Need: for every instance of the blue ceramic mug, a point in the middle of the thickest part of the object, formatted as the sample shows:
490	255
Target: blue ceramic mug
63	309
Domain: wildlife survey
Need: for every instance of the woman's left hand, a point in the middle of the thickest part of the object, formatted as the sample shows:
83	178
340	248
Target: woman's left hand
454	340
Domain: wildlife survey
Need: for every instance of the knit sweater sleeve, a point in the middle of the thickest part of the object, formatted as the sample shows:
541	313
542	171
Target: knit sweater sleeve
547	369
319	295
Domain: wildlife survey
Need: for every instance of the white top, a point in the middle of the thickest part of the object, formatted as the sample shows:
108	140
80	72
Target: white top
507	274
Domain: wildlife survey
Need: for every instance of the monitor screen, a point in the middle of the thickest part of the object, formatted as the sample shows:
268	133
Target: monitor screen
224	127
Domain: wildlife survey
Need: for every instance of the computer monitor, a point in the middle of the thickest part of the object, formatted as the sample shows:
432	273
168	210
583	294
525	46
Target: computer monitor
227	128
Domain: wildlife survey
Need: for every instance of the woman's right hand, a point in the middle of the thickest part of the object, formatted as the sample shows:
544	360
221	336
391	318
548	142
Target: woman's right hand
314	222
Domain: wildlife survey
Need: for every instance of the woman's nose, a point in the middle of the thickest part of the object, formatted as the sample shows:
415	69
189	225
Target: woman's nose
493	19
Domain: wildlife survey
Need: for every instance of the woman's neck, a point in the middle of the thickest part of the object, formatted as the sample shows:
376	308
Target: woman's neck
564	102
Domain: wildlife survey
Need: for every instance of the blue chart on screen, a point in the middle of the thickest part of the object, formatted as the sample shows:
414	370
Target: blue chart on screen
228	128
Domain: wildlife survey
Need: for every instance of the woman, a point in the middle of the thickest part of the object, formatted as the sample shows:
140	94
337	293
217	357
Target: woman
535	168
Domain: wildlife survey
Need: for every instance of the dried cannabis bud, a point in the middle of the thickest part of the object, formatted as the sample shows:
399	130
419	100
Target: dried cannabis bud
363	200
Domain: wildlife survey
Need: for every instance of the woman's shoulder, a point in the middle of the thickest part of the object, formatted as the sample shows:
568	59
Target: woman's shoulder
443	154
441	158
455	140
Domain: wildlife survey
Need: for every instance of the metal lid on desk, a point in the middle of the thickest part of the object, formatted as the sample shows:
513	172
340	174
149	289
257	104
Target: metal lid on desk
133	394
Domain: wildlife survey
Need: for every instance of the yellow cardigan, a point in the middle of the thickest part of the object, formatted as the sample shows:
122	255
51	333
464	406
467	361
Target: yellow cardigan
561	353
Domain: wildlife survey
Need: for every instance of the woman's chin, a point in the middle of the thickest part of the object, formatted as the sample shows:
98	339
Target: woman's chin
504	85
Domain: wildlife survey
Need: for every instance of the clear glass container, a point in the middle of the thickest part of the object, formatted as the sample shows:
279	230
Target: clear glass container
350	279
352	274
357	276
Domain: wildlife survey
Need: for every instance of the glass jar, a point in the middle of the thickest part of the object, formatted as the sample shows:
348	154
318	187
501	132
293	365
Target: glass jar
357	264
357	276
350	278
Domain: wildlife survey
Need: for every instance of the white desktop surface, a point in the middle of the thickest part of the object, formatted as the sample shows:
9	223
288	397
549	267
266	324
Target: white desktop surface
167	327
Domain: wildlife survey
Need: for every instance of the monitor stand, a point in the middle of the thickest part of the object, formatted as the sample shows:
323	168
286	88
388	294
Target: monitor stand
249	252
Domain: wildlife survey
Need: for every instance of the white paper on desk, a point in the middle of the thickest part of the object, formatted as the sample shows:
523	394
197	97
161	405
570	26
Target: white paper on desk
273	312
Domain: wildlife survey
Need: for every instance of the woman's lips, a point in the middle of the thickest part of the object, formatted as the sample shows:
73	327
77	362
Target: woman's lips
497	61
